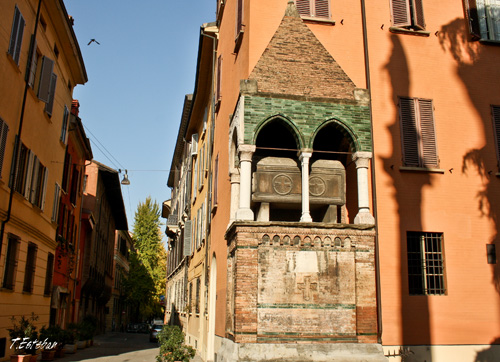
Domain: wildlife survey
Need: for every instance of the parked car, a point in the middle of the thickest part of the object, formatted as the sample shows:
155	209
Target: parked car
153	332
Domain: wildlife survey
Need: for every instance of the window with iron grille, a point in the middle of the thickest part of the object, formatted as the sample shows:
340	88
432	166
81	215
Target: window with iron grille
418	134
495	112
484	19
408	14
425	263
29	271
9	276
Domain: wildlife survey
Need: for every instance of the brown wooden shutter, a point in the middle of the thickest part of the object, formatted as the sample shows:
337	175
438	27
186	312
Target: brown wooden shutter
219	73
428	133
304	7
239	17
473	19
496	124
50	104
410	133
322	9
400	12
418	14
4	129
188	235
16	36
45	79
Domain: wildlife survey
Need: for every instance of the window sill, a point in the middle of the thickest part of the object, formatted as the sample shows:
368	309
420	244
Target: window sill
489	42
311	19
238	40
397	30
420	169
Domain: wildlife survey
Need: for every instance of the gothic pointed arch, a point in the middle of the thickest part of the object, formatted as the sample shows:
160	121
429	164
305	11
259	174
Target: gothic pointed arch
277	136
333	140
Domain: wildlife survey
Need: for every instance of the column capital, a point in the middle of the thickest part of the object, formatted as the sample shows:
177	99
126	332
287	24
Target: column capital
362	159
304	153
234	174
246	152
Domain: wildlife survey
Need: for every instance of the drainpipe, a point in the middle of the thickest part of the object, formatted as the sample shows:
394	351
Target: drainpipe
20	129
374	184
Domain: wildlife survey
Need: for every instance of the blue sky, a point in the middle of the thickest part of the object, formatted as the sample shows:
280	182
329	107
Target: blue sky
138	76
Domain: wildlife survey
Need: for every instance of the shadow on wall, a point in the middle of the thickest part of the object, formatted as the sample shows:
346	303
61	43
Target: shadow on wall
415	328
477	61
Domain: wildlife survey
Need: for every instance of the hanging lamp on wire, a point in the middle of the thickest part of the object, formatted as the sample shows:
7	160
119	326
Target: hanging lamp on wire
125	180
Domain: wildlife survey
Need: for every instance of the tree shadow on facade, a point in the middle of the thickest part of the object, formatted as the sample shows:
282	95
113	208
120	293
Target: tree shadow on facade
407	190
477	63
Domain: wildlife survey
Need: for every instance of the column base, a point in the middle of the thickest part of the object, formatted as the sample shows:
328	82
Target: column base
364	218
306	218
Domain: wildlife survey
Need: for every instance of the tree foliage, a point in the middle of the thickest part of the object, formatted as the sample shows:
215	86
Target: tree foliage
146	281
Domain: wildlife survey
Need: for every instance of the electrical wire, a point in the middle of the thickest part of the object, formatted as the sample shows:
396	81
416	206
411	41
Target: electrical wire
120	166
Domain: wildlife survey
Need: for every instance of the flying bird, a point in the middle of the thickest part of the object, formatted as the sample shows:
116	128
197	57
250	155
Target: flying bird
93	41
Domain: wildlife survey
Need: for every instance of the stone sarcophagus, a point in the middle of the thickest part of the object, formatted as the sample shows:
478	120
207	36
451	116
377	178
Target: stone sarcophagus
278	181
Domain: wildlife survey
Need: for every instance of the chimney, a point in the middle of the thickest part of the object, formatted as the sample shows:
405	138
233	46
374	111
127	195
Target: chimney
75	107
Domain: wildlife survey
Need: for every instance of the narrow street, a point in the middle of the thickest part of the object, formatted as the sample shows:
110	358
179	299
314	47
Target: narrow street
115	346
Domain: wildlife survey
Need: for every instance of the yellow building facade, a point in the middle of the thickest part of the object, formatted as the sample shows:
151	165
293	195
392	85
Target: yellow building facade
40	65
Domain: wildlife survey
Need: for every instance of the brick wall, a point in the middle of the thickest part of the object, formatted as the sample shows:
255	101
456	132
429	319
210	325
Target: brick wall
293	283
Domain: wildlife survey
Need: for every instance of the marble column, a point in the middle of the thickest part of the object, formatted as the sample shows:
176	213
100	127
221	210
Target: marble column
362	160
235	193
244	212
305	156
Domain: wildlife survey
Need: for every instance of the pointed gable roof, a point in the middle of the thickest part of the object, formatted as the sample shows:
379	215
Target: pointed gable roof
295	63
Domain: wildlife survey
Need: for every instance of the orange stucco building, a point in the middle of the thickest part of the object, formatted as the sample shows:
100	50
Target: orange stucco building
40	65
399	99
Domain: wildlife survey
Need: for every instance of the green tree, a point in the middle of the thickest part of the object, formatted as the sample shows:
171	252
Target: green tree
151	260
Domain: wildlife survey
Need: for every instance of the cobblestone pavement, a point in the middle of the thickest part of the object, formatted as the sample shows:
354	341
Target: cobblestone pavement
118	347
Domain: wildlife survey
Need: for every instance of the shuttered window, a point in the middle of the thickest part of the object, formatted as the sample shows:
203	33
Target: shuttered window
16	35
188	232
239	17
408	13
31	70
29	272
314	8
9	276
52	91
484	19
418	133
64	128
57	199
4	129
44	85
495	111
48	274
218	93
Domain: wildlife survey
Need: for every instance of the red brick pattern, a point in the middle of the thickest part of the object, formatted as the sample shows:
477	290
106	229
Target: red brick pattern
291	283
295	63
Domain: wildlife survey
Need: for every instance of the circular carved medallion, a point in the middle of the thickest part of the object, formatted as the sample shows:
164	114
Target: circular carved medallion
317	186
282	184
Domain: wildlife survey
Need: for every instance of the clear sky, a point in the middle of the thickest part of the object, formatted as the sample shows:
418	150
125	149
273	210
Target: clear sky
138	76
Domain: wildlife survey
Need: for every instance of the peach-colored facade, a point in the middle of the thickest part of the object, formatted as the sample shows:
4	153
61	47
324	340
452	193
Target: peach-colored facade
40	100
433	185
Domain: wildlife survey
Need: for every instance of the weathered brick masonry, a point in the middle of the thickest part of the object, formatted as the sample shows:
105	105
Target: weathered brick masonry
296	282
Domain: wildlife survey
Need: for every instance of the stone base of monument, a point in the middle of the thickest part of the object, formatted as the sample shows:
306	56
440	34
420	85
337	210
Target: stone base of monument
298	352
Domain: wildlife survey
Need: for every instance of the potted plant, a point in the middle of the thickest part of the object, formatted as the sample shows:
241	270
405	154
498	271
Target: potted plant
172	346
50	339
87	329
23	335
70	338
